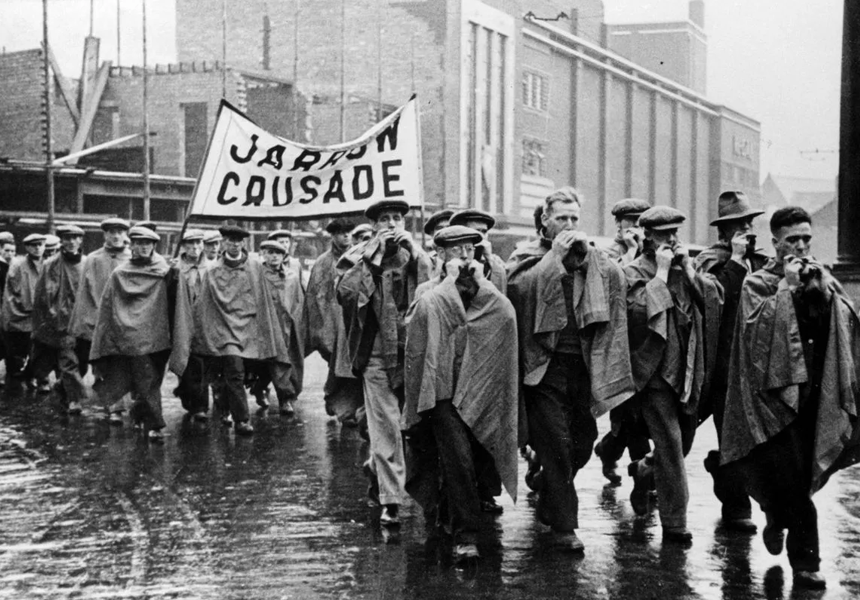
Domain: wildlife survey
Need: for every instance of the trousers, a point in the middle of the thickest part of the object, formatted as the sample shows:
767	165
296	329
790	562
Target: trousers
672	441
562	432
382	406
230	372
139	375
65	360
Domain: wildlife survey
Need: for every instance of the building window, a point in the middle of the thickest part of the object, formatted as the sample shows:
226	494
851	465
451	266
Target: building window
534	158
535	91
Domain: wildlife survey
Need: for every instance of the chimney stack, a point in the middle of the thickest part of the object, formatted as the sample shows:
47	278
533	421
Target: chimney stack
697	12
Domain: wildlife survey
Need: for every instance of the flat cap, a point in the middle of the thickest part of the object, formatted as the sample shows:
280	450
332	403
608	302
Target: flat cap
629	208
436	218
232	229
457	234
211	235
361	229
273	245
52	242
279	233
35	238
6	237
372	212
661	218
339	225
69	230
148	224
192	235
115	223
472	214
143	233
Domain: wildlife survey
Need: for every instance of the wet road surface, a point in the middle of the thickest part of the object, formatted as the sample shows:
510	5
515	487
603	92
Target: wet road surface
93	511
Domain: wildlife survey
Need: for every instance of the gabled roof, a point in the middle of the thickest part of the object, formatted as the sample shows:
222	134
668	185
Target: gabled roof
807	192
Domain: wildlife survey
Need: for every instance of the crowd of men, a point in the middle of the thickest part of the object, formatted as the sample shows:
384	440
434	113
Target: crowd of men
452	363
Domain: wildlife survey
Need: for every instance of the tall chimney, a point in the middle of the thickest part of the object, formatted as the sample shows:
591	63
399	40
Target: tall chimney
697	12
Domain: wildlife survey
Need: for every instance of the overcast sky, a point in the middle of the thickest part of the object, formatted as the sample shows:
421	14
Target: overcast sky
777	61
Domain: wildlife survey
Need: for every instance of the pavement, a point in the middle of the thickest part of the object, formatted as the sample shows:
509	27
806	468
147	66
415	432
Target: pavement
93	511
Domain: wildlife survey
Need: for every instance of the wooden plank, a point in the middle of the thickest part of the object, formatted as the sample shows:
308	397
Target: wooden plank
88	112
65	88
89	70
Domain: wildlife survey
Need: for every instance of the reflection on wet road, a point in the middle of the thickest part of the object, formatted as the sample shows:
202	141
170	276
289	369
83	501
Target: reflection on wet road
93	511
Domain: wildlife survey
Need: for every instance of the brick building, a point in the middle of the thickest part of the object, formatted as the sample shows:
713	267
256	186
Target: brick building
511	106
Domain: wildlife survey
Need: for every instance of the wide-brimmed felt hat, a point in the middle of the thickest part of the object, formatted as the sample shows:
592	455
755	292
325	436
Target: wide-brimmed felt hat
373	211
212	235
115	223
232	229
472	214
456	234
661	218
629	208
69	230
35	238
193	235
143	233
273	245
437	217
734	205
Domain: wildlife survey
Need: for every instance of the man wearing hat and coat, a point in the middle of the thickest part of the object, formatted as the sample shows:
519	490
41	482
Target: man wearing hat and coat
98	267
286	293
326	332
188	268
482	222
17	311
377	287
672	313
285	238
437	221
211	244
469	404
7	253
52	246
233	318
54	347
626	432
729	261
126	356
791	412
574	356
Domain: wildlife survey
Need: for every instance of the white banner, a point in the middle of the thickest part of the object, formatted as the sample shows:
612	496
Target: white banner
249	173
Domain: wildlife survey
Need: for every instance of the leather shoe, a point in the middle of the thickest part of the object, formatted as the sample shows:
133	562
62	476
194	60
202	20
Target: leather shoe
570	542
741	525
773	536
641	474
244	428
810	580
74	408
115	418
262	398
287	408
389	517
679	535
492	507
465	552
609	466
156	436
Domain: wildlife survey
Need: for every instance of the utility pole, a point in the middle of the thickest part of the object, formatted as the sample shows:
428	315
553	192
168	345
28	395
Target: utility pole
296	123
146	216
118	40
224	49
49	151
342	70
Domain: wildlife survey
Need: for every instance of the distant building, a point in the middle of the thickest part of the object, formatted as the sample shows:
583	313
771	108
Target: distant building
676	50
512	106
